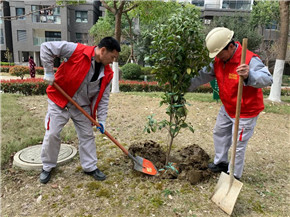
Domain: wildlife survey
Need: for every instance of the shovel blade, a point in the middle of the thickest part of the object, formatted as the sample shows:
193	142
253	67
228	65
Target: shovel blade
226	193
145	166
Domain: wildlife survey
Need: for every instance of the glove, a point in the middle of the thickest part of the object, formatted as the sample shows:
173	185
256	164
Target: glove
102	128
49	78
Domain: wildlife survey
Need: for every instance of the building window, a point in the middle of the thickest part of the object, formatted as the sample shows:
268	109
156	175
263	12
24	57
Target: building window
1	36
82	38
273	25
52	36
237	4
20	12
1	21
21	35
45	14
81	16
199	3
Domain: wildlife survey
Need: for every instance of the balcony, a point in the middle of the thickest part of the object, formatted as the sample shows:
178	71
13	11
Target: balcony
37	41
54	19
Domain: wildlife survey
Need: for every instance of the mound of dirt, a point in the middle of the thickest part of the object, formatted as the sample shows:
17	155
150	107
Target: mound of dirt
188	163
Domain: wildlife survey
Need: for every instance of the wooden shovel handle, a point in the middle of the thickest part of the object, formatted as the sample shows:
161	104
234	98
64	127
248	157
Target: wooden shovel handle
238	108
88	116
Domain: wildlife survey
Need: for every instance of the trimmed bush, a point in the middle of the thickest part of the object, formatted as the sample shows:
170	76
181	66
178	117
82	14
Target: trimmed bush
5	69
30	86
131	71
7	64
146	70
19	71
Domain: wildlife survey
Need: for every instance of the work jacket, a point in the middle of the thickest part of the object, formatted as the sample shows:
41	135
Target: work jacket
228	79
72	73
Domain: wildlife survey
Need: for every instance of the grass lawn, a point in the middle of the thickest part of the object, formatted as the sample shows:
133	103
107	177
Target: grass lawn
126	192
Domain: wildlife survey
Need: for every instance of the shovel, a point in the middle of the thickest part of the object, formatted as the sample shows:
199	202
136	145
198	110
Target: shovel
140	164
228	188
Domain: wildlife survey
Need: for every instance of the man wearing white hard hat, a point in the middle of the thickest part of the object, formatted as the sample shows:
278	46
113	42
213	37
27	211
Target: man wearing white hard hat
226	68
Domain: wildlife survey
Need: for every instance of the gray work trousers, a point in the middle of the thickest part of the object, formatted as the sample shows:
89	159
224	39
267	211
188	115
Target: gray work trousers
222	136
55	120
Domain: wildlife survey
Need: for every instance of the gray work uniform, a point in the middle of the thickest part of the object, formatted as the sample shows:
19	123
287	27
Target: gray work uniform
57	117
259	76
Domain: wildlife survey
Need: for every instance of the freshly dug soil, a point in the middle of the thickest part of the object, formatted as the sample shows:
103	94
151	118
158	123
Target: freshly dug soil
189	163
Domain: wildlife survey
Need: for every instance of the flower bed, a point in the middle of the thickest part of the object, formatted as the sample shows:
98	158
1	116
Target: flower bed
29	86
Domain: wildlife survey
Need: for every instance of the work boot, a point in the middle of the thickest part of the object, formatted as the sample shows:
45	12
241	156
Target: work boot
44	177
234	176
97	174
221	167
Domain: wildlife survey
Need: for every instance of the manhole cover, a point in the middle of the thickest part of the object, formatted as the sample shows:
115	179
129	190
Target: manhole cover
29	158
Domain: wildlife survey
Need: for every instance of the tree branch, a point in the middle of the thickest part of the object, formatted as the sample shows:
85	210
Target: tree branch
131	8
104	4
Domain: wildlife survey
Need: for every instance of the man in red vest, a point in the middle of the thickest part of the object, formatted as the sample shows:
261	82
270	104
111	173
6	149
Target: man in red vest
226	68
85	75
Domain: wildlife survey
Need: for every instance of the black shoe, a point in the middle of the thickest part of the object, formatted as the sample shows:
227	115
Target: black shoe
221	167
234	176
97	174
44	177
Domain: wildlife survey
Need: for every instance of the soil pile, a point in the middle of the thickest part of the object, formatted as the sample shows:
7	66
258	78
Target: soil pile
188	163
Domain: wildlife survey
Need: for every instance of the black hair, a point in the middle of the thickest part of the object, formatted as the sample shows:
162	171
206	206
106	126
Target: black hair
231	42
110	44
31	57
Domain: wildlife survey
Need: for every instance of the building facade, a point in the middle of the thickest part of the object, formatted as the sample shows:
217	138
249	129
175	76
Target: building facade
35	22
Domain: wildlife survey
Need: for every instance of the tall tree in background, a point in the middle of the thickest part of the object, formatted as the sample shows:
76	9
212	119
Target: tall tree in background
118	8
275	93
265	15
242	27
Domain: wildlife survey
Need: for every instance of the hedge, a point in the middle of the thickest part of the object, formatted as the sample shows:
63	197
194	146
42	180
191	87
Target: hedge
39	70
7	64
29	86
37	86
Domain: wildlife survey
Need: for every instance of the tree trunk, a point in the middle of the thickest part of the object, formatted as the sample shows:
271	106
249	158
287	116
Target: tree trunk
118	17
169	150
275	93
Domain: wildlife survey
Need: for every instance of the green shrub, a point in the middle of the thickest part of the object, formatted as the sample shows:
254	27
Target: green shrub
30	86
19	71
7	64
5	69
146	70
131	71
39	70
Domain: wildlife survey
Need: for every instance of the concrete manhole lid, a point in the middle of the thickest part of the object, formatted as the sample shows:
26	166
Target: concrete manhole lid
29	158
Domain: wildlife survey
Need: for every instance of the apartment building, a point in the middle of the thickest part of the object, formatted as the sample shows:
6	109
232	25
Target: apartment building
34	22
217	8
5	29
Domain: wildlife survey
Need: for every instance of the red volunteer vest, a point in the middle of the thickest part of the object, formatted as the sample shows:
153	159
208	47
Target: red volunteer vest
228	79
72	73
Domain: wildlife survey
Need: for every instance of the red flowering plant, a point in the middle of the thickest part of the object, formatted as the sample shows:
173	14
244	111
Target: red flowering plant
29	86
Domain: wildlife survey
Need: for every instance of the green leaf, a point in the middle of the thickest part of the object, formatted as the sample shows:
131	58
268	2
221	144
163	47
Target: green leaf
184	125
191	129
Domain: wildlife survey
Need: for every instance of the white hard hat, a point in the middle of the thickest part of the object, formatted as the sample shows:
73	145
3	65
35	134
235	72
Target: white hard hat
217	39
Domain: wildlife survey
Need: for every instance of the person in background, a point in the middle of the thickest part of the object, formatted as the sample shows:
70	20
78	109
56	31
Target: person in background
32	67
85	75
227	68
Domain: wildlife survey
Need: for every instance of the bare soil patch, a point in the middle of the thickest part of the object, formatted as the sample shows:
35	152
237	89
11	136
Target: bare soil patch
189	163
